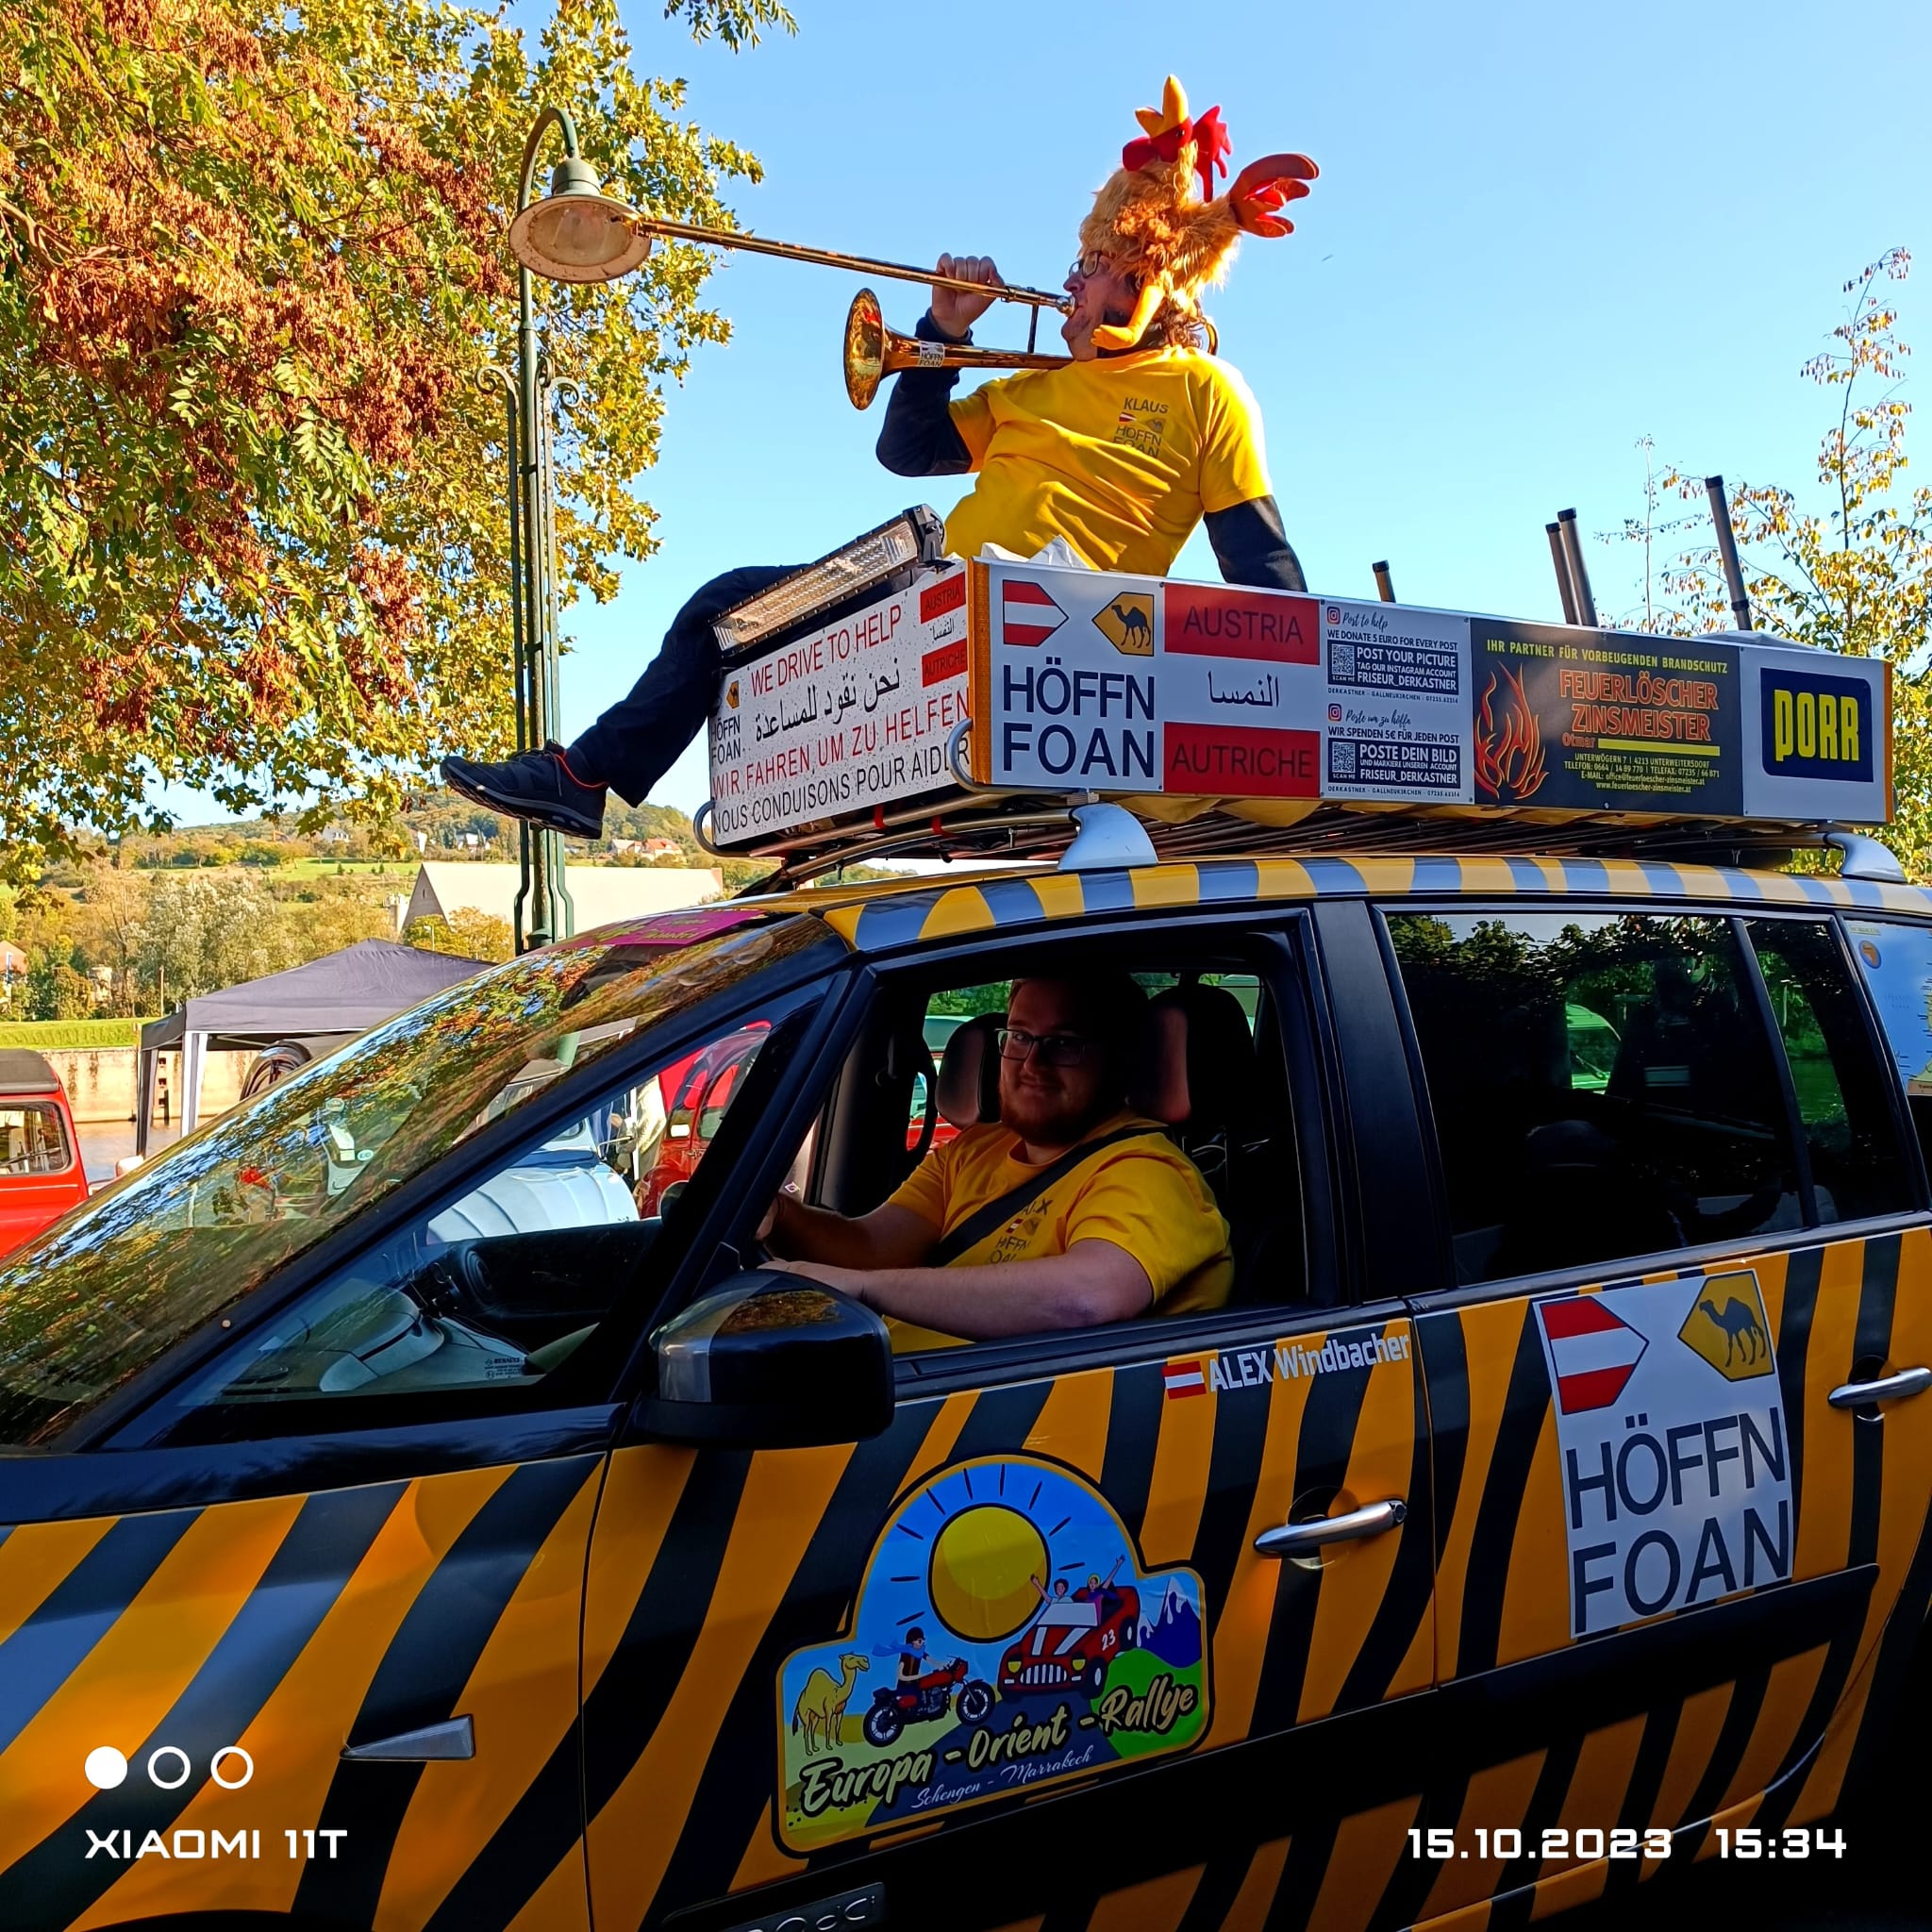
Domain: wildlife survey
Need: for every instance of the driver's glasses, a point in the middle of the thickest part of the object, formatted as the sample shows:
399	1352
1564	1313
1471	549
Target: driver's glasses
1054	1049
1086	267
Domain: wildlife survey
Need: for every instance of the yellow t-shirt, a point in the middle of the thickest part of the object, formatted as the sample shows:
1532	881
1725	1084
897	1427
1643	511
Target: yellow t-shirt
1121	455
1143	1195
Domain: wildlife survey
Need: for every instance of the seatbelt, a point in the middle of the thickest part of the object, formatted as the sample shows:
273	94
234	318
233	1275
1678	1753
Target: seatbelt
982	1222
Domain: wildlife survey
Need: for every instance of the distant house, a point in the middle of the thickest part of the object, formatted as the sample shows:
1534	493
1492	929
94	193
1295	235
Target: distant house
601	894
660	848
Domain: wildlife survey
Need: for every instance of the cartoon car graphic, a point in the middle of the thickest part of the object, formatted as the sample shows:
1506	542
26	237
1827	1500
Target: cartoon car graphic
1072	1641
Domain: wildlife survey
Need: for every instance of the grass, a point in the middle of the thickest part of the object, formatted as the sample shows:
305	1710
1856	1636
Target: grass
58	1036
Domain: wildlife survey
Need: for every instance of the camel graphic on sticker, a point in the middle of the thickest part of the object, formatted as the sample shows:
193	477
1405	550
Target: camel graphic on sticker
1005	1638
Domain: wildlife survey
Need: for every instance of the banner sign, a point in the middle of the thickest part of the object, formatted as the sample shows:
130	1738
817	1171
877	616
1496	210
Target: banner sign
1093	681
855	715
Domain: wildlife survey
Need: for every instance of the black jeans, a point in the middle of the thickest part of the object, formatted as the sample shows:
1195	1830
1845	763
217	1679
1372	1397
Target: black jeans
639	738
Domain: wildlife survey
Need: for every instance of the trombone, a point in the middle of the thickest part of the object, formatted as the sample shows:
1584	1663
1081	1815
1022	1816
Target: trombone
873	352
579	234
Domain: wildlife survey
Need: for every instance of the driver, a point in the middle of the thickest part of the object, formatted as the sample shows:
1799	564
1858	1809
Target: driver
1129	1227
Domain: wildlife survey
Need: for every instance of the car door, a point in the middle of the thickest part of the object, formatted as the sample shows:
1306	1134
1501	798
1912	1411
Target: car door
1668	1541
294	1626
1132	1708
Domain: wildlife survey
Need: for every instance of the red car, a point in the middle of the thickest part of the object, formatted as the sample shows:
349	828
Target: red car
1072	1640
41	1173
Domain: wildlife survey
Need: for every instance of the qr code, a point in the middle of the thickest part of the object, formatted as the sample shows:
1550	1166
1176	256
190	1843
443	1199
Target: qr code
1341	759
1341	663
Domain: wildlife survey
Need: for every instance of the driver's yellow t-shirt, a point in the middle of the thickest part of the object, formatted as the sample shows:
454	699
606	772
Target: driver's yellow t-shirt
1121	455
1143	1195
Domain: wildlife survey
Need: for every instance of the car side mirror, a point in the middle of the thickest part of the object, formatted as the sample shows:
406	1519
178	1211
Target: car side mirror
770	1361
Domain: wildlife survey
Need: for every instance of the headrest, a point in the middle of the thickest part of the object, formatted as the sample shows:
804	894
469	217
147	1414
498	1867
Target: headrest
970	1073
1199	1066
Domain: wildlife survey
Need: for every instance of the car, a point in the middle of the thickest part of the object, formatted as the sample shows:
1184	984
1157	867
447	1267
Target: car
398	1536
41	1171
394	1541
1071	1641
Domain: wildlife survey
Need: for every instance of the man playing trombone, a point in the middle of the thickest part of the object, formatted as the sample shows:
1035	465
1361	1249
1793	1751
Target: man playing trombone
1120	451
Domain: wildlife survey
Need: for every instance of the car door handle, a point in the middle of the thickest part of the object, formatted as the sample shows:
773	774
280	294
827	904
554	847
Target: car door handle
1886	1388
430	1745
1294	1538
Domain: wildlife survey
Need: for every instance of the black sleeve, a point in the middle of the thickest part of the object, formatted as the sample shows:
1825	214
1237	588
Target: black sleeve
918	438
1251	547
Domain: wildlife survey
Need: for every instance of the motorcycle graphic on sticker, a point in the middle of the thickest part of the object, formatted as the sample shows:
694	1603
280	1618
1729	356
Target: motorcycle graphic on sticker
1004	1639
1676	1477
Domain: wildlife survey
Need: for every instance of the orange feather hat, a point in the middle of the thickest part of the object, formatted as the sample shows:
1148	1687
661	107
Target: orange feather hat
1151	224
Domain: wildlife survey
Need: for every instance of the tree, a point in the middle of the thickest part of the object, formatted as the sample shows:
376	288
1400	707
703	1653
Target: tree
467	932
205	931
253	525
1855	576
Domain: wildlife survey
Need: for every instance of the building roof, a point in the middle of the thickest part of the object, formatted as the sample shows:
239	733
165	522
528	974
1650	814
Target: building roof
599	892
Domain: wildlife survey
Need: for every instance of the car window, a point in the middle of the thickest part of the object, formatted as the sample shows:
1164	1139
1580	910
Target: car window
1851	1133
33	1140
1601	1084
181	1240
501	1286
1896	960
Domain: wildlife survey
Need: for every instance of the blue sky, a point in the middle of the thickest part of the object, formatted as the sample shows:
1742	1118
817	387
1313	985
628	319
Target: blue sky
1540	234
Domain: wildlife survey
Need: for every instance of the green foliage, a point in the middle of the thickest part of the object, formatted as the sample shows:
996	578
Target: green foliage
55	991
254	305
467	934
1854	575
69	1036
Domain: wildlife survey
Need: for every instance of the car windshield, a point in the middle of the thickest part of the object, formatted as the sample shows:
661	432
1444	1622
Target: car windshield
111	1288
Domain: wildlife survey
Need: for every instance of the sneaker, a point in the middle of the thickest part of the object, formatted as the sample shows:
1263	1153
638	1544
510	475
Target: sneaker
534	785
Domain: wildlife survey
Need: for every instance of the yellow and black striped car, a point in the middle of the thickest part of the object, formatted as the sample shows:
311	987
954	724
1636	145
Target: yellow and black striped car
419	1514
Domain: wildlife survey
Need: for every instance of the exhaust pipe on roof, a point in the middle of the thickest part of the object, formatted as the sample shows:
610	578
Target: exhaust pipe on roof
1728	551
1555	532
1579	577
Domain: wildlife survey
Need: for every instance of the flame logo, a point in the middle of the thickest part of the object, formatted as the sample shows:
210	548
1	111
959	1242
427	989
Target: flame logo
1509	756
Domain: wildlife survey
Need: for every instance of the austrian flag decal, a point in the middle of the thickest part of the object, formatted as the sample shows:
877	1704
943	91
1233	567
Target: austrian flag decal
1593	1353
1185	1378
1028	614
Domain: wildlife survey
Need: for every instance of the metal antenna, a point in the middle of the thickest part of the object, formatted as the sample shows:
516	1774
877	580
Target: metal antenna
1728	550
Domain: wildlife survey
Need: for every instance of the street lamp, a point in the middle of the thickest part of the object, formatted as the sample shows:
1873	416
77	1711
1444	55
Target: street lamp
575	234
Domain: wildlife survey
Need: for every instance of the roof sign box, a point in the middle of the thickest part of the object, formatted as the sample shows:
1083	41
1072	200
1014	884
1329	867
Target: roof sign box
1143	687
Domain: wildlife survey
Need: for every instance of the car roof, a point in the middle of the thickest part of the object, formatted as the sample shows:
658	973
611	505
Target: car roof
24	1072
885	914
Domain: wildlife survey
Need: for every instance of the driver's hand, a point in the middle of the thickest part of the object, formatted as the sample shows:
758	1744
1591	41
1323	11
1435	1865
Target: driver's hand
954	309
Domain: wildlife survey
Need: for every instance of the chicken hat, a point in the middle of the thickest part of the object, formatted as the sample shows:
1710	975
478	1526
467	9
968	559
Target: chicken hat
1150	224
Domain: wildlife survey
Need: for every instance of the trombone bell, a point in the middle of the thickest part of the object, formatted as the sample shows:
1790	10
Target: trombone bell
873	352
865	349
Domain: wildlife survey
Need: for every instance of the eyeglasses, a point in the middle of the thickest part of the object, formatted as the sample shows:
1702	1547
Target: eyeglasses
1054	1049
1086	267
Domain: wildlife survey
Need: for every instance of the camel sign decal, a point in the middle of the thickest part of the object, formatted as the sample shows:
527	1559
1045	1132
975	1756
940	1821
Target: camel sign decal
1676	1460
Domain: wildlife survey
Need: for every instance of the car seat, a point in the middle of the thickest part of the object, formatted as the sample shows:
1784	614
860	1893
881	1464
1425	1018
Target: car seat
969	1085
1201	1077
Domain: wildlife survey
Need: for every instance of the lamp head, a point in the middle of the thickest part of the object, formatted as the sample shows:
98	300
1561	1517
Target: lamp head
577	233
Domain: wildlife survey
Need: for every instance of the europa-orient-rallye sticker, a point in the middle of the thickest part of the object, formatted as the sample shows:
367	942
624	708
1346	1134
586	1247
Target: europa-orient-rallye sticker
1677	1476
1005	1639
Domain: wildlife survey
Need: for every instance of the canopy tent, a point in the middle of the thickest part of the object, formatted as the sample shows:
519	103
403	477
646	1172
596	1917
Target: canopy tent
327	1002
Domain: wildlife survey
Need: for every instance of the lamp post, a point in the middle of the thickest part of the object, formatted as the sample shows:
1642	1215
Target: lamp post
544	910
574	234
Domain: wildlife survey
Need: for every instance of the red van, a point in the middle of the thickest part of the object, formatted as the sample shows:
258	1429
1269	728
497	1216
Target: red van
40	1173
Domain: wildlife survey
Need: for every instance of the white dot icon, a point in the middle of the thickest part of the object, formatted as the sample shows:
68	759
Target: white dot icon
105	1767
